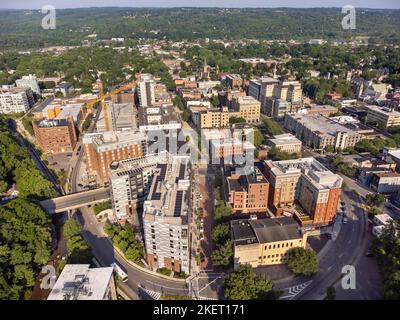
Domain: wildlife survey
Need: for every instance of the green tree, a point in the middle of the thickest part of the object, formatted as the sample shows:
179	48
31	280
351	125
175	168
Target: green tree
220	233
244	284
273	128
375	199
234	120
331	293
71	228
223	255
302	261
3	186
25	246
222	212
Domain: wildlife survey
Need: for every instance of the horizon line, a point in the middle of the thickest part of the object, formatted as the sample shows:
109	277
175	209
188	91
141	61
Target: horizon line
193	7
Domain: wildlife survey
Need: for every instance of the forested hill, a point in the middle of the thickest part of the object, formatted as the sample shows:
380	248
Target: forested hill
22	28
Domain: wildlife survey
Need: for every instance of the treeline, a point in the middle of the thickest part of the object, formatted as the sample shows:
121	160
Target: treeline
22	28
83	66
25	229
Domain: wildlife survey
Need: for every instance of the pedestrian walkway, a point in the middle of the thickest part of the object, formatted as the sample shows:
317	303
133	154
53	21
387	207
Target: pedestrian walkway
154	295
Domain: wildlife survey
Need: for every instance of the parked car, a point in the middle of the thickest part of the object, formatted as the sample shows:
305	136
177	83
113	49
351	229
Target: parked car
369	254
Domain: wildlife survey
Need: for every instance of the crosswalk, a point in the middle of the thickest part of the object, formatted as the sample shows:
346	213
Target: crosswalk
154	295
295	290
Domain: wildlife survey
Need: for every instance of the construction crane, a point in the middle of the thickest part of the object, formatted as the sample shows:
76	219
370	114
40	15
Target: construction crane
103	96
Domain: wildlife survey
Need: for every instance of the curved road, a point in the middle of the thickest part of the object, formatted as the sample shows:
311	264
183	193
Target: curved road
105	253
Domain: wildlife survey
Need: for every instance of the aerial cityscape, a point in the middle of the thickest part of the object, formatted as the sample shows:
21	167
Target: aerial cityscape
216	152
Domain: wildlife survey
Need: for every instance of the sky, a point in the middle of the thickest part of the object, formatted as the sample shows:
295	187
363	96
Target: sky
61	4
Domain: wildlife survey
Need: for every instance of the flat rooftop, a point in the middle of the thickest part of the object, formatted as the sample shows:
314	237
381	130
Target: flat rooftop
322	125
265	230
80	282
314	171
284	139
240	183
168	195
114	139
124	167
52	123
384	111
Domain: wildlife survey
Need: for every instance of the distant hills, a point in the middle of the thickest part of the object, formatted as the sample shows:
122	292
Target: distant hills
22	28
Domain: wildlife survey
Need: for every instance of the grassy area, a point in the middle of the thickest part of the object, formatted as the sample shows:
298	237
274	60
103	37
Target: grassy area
99	207
164	271
27	123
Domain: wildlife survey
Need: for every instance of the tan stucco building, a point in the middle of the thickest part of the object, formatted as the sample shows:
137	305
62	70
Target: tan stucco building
265	242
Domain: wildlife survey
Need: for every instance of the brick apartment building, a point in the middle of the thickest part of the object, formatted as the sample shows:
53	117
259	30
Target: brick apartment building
101	149
247	193
303	187
56	135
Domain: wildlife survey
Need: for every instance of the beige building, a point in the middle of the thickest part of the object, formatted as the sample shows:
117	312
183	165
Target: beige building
286	143
385	116
211	118
247	108
318	132
265	242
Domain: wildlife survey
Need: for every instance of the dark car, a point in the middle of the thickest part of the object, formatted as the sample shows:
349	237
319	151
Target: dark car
369	254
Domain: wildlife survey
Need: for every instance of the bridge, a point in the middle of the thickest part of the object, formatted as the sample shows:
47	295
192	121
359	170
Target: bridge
75	200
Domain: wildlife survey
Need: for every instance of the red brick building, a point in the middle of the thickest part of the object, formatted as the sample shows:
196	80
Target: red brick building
101	149
56	135
247	193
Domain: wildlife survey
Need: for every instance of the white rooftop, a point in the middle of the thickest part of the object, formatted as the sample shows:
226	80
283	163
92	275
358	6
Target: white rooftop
80	282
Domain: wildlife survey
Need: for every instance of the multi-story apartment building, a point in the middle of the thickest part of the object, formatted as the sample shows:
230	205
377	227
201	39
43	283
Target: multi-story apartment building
28	82
277	97
230	150
278	108
211	118
319	132
385	116
247	193
247	108
286	143
56	135
130	182
15	100
80	282
101	149
166	217
307	183
265	242
146	90
235	81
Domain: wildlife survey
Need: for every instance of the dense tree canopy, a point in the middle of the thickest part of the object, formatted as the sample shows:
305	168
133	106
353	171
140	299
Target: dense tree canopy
387	249
25	243
244	284
23	28
16	166
302	261
125	239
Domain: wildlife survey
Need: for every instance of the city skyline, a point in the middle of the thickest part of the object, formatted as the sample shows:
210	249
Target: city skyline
60	4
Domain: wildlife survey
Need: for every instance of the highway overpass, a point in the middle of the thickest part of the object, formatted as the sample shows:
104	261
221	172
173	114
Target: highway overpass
75	200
